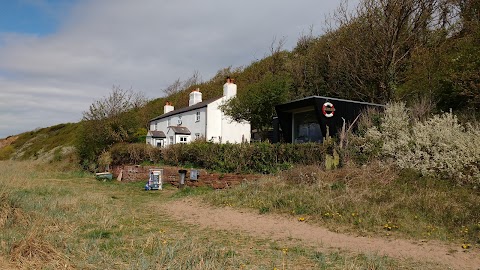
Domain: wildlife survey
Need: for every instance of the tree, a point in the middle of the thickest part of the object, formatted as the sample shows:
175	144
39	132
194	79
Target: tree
256	103
178	85
118	102
370	50
110	120
446	69
308	66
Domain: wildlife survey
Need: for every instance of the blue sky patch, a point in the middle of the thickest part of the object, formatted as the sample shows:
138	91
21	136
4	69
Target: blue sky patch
39	17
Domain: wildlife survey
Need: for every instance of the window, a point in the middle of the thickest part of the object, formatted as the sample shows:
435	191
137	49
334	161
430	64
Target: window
306	128
197	136
155	126
171	140
197	117
168	122
183	139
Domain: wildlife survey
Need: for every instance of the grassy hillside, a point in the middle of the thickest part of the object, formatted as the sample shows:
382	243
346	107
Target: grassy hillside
55	142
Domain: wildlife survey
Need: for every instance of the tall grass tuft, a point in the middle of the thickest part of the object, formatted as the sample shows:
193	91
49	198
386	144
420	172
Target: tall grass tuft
34	252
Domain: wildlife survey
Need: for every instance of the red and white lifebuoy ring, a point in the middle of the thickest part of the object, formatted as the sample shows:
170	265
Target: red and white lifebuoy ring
328	109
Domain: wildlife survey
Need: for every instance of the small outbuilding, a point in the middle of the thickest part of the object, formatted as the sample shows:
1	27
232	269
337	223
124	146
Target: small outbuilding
310	119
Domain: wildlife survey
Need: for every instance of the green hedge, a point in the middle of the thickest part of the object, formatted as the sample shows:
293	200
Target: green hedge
134	153
239	158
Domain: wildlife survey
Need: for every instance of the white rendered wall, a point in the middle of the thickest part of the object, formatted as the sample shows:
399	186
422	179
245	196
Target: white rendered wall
189	120
214	121
169	134
235	132
221	127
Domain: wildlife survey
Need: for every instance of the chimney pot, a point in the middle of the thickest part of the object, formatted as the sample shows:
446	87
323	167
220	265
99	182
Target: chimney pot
229	88
168	107
195	97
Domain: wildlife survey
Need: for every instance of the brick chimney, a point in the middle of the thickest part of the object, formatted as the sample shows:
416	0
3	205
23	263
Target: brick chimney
195	97
168	107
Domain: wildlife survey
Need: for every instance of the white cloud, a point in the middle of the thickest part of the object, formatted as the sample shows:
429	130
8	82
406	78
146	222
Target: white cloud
145	45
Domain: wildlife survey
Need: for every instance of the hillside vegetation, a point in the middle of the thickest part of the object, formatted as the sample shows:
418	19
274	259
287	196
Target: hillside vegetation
425	53
52	144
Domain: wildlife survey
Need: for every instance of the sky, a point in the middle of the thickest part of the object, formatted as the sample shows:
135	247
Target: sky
58	56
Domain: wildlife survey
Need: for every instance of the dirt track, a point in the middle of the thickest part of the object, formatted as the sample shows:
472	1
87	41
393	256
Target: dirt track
283	228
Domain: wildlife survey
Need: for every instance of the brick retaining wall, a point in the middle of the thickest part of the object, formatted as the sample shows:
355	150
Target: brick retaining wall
171	175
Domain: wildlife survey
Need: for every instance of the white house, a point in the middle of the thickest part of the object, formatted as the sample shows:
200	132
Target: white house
201	119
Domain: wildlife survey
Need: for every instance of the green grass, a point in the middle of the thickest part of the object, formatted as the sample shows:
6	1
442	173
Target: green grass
58	219
371	200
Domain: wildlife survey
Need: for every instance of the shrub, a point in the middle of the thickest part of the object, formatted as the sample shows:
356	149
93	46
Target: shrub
439	146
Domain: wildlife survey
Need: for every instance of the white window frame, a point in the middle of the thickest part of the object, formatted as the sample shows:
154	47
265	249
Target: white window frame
183	139
197	117
171	139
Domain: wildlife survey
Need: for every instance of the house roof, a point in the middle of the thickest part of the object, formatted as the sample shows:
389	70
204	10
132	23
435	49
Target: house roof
180	130
157	134
186	109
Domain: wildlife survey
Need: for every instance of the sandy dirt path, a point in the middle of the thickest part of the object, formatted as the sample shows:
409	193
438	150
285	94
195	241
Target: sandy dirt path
283	228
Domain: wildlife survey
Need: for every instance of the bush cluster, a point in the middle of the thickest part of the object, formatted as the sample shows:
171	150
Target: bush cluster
439	146
134	153
238	158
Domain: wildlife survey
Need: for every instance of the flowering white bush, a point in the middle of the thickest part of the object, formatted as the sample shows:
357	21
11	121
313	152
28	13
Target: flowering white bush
439	146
